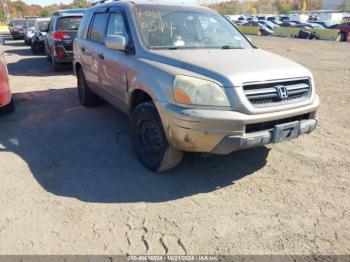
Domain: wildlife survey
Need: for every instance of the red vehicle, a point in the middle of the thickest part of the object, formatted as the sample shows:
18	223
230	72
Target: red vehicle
344	31
6	101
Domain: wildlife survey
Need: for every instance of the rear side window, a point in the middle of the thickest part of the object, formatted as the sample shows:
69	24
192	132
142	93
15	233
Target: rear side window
84	25
98	29
68	23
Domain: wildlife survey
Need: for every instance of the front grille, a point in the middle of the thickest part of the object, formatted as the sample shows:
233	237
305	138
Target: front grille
271	124
278	93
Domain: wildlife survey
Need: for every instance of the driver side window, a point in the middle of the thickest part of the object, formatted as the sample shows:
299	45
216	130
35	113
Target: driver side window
116	26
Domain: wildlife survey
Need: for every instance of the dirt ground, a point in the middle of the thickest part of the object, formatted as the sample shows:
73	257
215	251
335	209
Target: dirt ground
70	183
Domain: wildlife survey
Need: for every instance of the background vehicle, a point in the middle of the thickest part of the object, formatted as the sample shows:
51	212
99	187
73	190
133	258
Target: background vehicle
269	24
6	101
34	25
29	30
62	30
287	24
195	85
344	32
17	28
38	43
264	29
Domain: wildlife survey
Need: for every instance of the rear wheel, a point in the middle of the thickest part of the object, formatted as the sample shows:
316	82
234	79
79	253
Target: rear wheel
8	108
34	48
342	37
86	96
56	66
149	140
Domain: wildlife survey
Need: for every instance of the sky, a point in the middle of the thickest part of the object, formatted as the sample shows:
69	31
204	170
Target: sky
49	2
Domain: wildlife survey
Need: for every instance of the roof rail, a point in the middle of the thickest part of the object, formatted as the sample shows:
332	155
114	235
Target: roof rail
102	2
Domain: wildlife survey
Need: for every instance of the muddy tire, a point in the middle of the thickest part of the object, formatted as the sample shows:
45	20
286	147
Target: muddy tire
149	140
342	37
86	97
8	108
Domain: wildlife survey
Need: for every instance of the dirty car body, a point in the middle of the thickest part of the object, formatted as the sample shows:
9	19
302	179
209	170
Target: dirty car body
213	90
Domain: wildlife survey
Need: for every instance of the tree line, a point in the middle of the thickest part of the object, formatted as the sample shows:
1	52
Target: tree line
19	9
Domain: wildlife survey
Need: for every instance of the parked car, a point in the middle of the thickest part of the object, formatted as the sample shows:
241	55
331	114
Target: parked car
7	104
269	24
327	24
264	30
287	24
62	30
17	28
29	30
38	43
34	25
344	34
303	26
189	81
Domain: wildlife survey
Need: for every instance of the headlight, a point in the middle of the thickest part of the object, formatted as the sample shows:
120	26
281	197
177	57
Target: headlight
195	91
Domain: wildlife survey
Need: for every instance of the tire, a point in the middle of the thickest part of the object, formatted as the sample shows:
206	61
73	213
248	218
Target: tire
56	66
33	48
149	140
342	37
86	97
8	108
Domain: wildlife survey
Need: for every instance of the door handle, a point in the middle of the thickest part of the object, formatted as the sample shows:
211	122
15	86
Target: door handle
101	56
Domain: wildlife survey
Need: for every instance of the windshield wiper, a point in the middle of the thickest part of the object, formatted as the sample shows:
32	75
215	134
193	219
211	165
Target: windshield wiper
231	47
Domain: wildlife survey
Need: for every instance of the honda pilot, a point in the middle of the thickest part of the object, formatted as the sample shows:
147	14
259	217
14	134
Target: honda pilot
189	81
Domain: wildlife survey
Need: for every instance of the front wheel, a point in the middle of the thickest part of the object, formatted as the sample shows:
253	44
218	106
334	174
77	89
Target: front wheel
149	140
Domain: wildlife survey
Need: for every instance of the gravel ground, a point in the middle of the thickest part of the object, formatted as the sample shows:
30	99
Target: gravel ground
70	183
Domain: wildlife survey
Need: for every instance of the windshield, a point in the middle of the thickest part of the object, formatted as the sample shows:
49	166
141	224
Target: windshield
43	25
31	23
69	23
19	22
170	27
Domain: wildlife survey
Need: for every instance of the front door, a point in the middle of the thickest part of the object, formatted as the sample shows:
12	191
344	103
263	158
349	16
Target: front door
114	66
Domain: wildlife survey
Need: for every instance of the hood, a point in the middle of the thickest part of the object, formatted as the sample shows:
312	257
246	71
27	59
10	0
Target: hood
230	66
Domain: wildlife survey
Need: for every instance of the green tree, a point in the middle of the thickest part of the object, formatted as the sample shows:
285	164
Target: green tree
284	9
80	4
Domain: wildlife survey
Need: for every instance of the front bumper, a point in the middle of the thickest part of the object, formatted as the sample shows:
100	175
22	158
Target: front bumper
67	58
222	132
234	143
17	34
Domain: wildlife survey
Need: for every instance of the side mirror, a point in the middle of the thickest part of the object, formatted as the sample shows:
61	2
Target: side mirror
115	42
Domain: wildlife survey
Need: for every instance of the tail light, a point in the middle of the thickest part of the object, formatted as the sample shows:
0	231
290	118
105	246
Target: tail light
60	36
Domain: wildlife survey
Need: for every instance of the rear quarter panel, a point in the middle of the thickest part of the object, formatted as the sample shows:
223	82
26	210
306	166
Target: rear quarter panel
5	93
